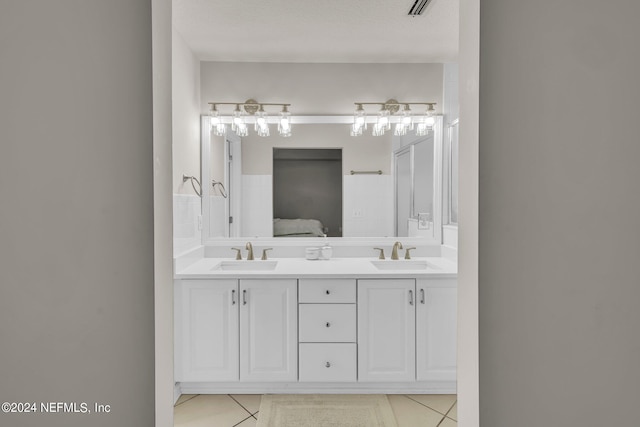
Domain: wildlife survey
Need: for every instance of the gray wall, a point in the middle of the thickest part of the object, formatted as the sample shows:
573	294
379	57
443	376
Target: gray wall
76	210
309	186
559	208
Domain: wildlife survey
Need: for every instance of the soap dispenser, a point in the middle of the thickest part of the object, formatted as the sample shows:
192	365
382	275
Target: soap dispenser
327	250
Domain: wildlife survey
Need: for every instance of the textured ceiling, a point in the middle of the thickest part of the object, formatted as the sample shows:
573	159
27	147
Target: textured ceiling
364	31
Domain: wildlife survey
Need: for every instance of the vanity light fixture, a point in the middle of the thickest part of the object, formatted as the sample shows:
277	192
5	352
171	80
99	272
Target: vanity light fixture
250	111
403	123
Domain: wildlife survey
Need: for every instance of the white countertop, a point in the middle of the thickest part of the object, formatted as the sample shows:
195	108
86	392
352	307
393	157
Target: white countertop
208	268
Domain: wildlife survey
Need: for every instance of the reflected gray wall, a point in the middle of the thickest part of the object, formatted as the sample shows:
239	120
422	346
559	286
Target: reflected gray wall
559	207
308	184
76	210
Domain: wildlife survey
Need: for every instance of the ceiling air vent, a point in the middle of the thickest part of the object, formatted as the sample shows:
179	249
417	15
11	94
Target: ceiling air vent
418	7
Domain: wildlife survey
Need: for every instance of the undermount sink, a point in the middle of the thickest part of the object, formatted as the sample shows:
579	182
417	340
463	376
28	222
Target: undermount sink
402	265
246	265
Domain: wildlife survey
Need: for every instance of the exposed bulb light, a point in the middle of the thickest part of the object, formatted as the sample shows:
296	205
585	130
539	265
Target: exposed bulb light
284	124
405	123
218	128
383	123
359	121
261	125
426	123
238	123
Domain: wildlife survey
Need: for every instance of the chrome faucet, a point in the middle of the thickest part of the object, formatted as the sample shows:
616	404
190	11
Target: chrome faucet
394	251
249	247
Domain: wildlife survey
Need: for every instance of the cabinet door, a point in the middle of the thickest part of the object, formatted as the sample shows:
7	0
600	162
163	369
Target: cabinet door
436	330
206	334
268	330
386	330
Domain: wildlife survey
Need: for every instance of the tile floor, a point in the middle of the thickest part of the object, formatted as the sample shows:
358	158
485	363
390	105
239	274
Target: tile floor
242	410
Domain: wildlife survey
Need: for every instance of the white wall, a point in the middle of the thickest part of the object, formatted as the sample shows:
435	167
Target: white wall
451	101
187	206
319	88
162	212
186	114
451	112
468	341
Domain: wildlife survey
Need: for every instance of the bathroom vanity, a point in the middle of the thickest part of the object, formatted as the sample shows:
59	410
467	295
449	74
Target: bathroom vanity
351	325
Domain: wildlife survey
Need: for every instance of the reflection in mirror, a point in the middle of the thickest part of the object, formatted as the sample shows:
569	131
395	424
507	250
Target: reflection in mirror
365	204
307	192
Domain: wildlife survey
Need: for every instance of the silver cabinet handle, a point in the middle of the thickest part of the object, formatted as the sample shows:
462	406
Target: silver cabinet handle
233	297
421	296
410	297
244	297
328	324
328	365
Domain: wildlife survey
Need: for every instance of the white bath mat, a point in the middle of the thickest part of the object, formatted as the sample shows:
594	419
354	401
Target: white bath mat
325	410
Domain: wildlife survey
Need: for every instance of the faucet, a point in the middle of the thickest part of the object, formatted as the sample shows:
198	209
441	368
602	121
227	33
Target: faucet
249	247
394	251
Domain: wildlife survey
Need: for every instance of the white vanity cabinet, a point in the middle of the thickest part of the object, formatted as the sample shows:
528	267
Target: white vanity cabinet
386	330
268	330
206	330
407	330
230	330
257	334
436	329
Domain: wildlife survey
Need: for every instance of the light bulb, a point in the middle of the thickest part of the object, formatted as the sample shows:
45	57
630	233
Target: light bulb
261	125
284	124
218	128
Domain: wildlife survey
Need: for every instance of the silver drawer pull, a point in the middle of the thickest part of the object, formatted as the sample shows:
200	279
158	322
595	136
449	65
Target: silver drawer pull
328	324
233	297
328	365
328	292
422	296
410	297
244	297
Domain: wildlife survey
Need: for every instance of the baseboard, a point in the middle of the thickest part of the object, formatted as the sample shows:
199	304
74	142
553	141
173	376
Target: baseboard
432	387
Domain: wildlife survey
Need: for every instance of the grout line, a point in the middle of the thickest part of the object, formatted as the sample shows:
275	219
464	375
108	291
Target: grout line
254	415
426	406
447	414
438	425
178	404
248	411
242	421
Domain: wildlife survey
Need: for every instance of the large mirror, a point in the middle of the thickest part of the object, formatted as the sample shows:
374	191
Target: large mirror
321	181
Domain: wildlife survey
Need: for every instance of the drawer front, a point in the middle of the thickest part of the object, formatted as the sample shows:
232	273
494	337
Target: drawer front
328	362
327	322
327	291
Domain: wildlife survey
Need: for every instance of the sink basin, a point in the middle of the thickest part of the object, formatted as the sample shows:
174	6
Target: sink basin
402	265
246	265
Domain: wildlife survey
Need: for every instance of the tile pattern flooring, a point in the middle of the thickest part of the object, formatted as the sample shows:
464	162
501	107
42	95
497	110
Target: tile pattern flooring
242	410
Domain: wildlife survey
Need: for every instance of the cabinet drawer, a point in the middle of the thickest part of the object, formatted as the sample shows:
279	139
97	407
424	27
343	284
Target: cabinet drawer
327	322
327	290
328	362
